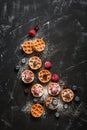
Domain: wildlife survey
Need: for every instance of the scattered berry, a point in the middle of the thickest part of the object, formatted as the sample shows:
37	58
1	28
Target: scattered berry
36	28
57	114
48	65
54	102
35	100
74	87
41	100
32	33
65	106
61	83
55	78
77	99
23	61
17	67
26	90
50	106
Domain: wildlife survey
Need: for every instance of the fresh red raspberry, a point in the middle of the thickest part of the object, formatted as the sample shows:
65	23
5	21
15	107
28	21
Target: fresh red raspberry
55	78
32	33
48	65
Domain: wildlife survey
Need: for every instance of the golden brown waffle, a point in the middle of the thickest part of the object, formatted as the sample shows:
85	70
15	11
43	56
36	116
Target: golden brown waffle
37	110
49	103
35	62
53	88
44	76
37	90
27	47
38	45
27	76
67	95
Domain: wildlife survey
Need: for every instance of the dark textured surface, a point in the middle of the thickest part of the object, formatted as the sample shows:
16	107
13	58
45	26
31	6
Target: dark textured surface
63	25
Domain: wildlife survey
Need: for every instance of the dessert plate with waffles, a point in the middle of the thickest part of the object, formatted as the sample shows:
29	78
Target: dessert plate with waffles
35	62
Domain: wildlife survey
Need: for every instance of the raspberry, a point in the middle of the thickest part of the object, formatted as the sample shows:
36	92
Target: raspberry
54	90
17	67
32	33
48	65
26	90
55	78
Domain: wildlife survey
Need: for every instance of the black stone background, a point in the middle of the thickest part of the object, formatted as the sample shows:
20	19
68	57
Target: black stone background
63	25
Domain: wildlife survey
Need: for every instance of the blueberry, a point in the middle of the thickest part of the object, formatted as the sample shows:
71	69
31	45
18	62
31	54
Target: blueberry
35	100
23	61
17	67
50	106
74	87
54	102
77	99
57	114
65	106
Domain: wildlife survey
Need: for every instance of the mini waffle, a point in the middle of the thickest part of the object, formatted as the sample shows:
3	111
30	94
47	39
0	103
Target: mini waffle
37	110
37	90
27	47
35	62
27	76
50	104
44	76
53	88
67	95
38	45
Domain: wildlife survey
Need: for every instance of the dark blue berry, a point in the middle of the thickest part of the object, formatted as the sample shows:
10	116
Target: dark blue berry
55	102
17	67
50	106
77	99
57	114
35	100
74	87
65	106
23	61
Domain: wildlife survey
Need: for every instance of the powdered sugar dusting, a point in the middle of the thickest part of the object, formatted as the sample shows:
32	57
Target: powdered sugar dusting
60	105
45	95
26	107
